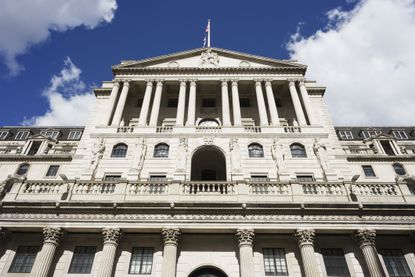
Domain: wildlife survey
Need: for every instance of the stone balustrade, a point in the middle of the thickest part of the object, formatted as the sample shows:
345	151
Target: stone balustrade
208	129
269	188
148	188
208	188
324	189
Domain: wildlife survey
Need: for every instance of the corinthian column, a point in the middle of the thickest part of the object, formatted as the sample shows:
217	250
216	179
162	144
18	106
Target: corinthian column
111	104
181	103
121	104
275	121
52	238
307	103
191	108
226	121
246	255
262	110
305	239
366	239
111	239
156	105
237	121
297	104
171	239
145	106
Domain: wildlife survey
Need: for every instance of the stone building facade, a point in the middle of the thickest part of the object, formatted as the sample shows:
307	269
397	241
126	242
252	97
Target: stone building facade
207	162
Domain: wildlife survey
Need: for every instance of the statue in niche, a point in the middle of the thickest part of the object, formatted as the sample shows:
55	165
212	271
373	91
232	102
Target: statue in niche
97	154
277	151
182	155
209	58
140	150
320	150
235	155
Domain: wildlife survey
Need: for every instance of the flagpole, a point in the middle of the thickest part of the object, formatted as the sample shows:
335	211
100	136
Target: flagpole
208	40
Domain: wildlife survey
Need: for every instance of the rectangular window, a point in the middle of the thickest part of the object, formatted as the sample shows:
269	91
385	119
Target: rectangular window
395	263
400	134
305	178
172	102
157	178
3	135
74	135
82	259
346	134
208	102
386	145
52	171
335	262
274	262
50	134
141	260
112	177
368	134
34	148
244	103
21	135
368	170
259	178
23	259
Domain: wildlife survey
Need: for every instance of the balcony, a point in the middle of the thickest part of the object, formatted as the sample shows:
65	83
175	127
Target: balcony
218	192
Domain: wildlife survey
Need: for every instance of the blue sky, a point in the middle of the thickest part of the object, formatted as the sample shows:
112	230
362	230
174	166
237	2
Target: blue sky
140	29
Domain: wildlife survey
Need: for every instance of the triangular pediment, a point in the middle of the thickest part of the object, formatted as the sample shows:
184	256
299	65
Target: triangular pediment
209	58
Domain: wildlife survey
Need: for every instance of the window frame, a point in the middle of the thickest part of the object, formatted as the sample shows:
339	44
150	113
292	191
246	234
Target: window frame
90	264
345	134
259	178
75	137
401	257
140	270
298	178
31	256
370	133
274	261
336	258
371	167
49	168
301	146
4	135
112	177
18	168
398	134
257	153
119	153
54	134
156	151
22	135
402	168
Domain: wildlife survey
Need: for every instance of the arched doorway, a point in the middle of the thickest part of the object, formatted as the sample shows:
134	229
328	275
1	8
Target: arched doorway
207	271
208	164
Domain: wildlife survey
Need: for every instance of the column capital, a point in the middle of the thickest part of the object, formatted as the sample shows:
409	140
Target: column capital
291	81
171	235
159	82
365	237
224	82
149	82
268	82
193	82
245	236
301	81
52	235
234	82
111	235
305	236
182	82
116	83
126	82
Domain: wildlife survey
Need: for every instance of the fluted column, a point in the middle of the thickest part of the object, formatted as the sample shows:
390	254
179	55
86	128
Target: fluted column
111	239
121	104
305	239
156	104
262	110
237	121
112	101
145	106
181	104
226	120
246	254
366	239
297	104
191	111
171	239
307	104
52	238
273	112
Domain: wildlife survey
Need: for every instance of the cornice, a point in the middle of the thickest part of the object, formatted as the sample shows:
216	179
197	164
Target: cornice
49	157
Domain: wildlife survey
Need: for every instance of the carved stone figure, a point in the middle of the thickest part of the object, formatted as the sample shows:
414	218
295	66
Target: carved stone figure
182	155
209	58
320	151
277	151
97	154
140	154
235	155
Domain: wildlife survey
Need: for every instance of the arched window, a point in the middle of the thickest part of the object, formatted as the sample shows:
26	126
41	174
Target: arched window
22	170
119	151
399	169
255	150
208	122
298	151
161	150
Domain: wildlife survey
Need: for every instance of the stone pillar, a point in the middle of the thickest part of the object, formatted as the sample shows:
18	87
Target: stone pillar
237	121
181	104
273	112
142	120
191	112
171	239
297	104
121	104
111	104
263	118
366	239
305	239
226	120
246	254
43	262
156	104
111	239
307	104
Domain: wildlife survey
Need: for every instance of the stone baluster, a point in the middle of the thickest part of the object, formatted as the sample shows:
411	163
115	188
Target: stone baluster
191	109
307	103
142	120
111	238
237	121
246	254
366	239
181	103
275	121
112	103
121	104
297	104
305	238
226	121
156	104
43	262
171	239
262	110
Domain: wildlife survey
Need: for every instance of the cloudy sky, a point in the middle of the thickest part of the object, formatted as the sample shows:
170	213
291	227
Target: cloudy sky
52	52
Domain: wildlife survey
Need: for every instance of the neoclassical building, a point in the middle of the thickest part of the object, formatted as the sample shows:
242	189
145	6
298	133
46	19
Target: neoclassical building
208	163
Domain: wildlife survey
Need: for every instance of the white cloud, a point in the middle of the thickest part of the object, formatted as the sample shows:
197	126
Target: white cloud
69	100
366	59
24	23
